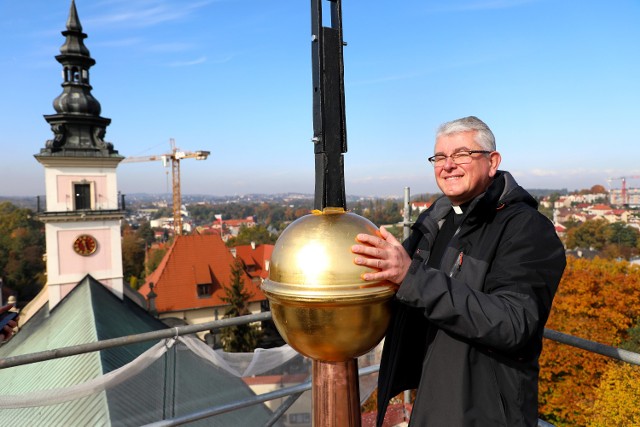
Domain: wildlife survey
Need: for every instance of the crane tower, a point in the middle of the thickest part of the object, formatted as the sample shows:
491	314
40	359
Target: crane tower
174	157
624	194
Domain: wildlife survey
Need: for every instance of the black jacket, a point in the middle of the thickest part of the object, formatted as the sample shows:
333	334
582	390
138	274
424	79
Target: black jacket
468	335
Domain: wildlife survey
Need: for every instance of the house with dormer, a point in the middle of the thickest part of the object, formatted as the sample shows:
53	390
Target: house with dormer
256	259
190	281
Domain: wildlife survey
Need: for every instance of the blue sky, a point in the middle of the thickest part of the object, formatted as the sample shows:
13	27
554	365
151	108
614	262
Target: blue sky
558	81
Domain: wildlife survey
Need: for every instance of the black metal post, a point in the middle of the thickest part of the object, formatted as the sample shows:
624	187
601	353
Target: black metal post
329	123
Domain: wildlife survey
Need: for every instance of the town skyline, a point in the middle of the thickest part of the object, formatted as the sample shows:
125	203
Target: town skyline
555	82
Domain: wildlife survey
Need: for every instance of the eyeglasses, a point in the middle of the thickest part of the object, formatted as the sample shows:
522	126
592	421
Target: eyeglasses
459	157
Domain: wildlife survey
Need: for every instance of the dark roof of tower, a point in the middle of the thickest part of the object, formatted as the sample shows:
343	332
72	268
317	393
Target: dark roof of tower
77	126
74	43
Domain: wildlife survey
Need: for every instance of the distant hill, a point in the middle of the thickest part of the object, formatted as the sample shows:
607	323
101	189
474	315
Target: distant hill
137	198
22	202
542	192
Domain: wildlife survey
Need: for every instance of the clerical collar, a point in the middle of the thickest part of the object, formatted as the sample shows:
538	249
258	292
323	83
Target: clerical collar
459	210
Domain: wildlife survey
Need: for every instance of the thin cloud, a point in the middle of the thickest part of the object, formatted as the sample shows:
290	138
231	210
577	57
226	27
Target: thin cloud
483	5
546	172
132	41
144	13
197	61
450	65
170	47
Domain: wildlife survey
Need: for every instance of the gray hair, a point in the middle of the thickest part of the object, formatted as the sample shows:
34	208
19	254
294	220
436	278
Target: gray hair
483	136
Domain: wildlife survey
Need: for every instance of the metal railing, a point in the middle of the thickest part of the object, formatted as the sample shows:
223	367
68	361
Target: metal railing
293	391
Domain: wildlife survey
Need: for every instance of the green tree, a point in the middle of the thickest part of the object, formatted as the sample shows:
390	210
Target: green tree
623	235
590	234
133	255
241	338
154	257
21	251
146	233
257	234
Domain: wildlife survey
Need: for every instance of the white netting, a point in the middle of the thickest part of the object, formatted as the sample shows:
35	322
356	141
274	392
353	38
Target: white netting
112	379
241	365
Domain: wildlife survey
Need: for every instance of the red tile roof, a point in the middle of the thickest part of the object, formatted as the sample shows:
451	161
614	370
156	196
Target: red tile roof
238	222
191	261
600	207
255	258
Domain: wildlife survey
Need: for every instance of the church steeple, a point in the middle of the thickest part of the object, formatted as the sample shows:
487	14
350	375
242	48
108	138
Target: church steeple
78	128
84	209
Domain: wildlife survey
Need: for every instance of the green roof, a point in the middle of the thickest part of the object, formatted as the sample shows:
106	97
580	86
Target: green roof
177	384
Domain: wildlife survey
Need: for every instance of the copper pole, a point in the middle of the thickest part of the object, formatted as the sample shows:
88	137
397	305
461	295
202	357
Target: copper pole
336	394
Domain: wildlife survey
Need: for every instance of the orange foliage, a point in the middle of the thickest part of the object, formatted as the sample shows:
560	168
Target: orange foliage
595	301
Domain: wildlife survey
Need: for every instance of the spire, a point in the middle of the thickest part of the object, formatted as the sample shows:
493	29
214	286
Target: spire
73	23
78	128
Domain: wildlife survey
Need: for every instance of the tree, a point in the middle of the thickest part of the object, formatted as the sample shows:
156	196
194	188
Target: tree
623	235
133	257
155	254
241	338
145	232
590	234
592	302
257	234
617	398
22	245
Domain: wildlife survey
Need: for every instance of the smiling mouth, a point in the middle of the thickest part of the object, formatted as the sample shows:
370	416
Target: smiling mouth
448	178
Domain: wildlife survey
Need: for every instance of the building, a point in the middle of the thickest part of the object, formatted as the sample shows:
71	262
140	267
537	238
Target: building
190	281
256	260
136	384
83	212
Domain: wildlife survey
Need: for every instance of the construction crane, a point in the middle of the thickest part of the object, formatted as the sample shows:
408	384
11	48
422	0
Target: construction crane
174	157
624	196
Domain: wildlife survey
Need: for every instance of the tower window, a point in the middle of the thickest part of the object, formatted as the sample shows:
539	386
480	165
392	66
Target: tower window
82	194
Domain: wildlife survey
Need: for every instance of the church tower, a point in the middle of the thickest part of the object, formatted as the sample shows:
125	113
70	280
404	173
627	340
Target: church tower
83	211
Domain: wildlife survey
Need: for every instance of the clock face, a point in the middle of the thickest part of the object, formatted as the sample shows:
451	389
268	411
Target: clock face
85	245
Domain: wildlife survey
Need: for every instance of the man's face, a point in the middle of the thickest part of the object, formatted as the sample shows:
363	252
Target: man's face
461	183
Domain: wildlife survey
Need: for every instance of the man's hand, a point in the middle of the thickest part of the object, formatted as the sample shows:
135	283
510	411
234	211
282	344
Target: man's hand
383	253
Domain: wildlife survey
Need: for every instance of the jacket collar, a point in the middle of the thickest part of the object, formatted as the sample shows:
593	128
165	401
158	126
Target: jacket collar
503	190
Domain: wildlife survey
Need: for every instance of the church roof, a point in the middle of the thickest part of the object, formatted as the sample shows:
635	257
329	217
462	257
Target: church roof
179	383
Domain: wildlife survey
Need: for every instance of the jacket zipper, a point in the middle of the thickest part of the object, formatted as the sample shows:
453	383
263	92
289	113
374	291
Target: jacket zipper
458	264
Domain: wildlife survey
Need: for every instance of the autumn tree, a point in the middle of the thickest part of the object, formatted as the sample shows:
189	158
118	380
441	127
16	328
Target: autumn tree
133	257
22	244
592	302
617	398
240	338
155	255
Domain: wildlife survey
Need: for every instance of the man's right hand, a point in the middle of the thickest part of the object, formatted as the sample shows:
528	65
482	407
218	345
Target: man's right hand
383	253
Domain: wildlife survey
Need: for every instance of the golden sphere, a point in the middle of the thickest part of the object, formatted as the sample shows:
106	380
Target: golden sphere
320	304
